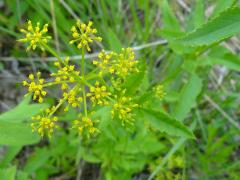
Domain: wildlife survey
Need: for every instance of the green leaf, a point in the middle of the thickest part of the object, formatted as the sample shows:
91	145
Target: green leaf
21	175
16	134
169	19
187	97
165	123
8	174
113	40
222	27
37	160
221	6
197	16
135	80
12	151
19	114
230	61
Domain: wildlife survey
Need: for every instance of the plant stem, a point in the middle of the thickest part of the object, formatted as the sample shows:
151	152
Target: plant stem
83	63
83	86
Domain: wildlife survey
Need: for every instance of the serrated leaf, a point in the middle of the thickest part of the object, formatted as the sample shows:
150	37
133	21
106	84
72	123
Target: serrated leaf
165	123
16	134
222	27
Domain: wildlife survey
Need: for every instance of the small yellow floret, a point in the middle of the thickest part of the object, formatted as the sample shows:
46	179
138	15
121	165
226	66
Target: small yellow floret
84	34
35	86
98	94
35	36
44	125
85	126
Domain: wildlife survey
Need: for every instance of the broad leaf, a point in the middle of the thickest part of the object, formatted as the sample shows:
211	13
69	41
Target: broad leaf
8	174
165	123
16	134
188	97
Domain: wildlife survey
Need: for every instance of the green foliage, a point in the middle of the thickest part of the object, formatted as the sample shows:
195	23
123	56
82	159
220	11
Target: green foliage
184	125
165	123
222	27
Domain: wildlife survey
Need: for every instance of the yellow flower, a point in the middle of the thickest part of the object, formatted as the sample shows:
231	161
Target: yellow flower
72	98
84	34
35	36
122	109
104	63
159	91
66	73
35	86
85	126
125	62
45	125
98	94
121	64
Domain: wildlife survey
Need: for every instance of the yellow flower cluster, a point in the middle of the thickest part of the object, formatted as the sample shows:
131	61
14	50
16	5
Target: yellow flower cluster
72	98
125	62
77	89
120	64
159	91
123	108
98	94
84	34
35	36
35	86
104	63
45	125
85	126
66	73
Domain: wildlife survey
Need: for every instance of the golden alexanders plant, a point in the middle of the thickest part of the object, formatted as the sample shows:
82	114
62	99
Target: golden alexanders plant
80	88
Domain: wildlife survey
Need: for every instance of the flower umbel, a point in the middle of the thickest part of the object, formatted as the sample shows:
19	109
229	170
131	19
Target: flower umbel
45	124
125	62
66	73
123	108
85	126
159	91
98	94
72	98
77	88
105	63
35	86
35	36
84	34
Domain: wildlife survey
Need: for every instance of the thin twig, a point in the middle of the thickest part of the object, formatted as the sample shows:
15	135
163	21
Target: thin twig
184	5
65	5
88	56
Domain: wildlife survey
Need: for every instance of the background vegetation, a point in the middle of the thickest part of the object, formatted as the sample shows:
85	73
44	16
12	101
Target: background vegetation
199	70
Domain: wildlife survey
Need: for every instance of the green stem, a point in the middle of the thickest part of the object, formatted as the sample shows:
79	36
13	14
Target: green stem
83	86
83	63
56	108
